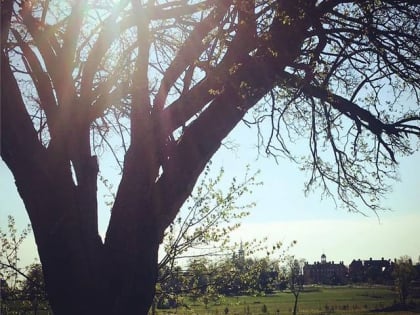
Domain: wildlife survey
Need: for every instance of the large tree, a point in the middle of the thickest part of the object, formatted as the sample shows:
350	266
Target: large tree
161	84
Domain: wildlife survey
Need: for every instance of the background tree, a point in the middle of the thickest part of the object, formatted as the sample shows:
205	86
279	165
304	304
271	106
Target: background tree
198	278
226	278
251	270
12	273
202	229
33	288
294	269
210	215
170	285
404	273
168	81
268	276
21	285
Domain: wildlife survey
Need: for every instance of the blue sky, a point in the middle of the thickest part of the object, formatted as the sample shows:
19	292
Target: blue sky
284	213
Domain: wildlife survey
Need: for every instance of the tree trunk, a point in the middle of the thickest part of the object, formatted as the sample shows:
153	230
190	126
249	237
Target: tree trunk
296	303
84	276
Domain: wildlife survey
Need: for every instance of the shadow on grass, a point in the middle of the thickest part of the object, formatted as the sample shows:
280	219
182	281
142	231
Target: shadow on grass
411	307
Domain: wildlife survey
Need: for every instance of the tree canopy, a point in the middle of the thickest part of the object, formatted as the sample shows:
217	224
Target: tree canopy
160	84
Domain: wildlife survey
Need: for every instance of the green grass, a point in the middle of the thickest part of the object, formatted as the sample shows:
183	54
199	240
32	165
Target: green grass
314	300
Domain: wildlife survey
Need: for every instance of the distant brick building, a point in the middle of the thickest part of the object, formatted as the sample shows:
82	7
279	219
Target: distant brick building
372	270
324	272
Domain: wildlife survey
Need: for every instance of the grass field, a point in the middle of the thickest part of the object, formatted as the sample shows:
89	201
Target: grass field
314	300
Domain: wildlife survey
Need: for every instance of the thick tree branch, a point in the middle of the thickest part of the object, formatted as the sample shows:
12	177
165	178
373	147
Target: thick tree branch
199	142
45	41
192	48
23	153
20	148
40	79
63	81
6	16
103	42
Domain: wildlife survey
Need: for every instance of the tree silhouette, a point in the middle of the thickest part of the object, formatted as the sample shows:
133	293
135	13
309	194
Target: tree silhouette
160	85
294	269
404	273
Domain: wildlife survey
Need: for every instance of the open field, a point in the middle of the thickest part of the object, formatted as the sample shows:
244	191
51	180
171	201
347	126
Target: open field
314	300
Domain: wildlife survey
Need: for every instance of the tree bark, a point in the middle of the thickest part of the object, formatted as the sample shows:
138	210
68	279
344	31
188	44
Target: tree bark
6	8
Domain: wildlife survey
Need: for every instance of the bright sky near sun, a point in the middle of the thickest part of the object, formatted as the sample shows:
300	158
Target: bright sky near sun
283	213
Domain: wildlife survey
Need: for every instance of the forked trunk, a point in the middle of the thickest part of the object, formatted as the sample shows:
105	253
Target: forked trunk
82	276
